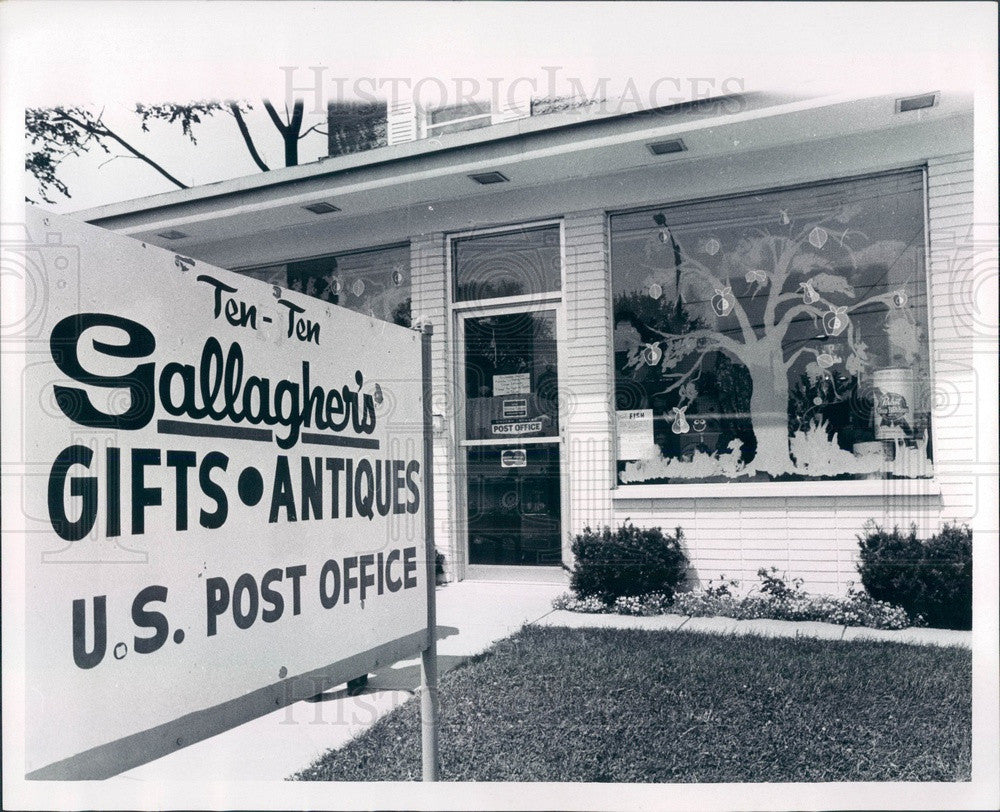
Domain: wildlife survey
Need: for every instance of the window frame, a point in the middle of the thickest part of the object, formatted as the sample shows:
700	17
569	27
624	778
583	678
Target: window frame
243	269
546	297
735	489
432	127
456	313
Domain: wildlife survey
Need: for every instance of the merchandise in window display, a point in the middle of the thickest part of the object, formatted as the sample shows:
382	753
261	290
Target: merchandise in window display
777	343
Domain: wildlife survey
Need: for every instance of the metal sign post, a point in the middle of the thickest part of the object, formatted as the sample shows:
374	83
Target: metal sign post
428	659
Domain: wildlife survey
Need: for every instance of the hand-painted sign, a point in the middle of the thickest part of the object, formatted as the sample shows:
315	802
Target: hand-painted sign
229	493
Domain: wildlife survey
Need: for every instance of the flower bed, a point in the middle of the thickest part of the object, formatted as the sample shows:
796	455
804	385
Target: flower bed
775	600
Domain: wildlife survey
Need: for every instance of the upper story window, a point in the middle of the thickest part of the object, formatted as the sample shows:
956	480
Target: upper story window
513	263
375	282
458	117
774	336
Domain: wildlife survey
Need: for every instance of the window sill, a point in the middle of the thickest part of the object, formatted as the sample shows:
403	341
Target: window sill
738	490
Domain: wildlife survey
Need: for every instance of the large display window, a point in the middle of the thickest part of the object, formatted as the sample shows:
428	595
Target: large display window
375	282
774	336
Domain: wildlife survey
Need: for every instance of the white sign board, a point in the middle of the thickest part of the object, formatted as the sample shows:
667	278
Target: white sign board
516	384
635	434
228	492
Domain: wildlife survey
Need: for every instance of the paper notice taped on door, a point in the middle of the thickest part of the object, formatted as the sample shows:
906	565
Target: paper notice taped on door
517	384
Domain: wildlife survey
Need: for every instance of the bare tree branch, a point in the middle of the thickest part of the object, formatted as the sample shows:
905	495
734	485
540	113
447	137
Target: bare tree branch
313	128
247	139
275	118
100	129
290	131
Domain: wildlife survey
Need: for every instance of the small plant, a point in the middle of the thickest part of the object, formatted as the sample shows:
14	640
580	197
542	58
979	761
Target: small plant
929	578
776	600
439	562
724	588
629	561
653	603
774	585
571	603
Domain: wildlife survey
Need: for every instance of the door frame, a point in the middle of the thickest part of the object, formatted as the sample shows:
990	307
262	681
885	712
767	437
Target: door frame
458	313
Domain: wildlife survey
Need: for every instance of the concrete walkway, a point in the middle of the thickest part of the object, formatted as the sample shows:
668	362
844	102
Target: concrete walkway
472	615
765	628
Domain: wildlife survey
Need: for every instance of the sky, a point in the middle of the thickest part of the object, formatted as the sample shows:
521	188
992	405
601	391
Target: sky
110	55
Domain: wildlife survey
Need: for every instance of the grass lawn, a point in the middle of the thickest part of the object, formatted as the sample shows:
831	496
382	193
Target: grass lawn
607	705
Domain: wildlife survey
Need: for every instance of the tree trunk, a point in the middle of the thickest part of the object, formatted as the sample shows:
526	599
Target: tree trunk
291	148
769	414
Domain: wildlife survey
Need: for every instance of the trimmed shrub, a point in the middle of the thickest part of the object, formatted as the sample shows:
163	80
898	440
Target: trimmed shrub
931	579
627	562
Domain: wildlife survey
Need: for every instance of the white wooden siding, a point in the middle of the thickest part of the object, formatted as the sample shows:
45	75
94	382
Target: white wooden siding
429	303
587	379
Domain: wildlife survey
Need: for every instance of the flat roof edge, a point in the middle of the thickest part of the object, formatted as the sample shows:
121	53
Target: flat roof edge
111	213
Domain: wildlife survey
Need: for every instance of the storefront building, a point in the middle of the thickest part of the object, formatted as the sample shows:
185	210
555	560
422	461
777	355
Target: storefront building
745	316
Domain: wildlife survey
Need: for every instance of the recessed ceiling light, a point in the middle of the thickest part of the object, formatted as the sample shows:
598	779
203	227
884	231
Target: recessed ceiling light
486	178
667	147
173	234
916	102
321	208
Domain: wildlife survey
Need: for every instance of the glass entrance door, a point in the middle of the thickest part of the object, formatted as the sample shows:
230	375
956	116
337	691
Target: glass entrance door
511	437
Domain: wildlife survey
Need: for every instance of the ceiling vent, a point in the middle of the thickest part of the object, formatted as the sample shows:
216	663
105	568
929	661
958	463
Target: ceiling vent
321	208
173	234
486	178
667	147
916	102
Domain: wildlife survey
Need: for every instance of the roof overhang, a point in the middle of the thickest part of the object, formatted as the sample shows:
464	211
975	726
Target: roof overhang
397	192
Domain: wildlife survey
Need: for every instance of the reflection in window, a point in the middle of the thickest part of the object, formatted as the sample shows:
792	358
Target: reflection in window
514	263
511	378
458	118
513	502
375	282
775	336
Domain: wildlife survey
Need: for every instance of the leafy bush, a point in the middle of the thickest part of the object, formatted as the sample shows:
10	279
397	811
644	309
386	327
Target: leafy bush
627	562
931	579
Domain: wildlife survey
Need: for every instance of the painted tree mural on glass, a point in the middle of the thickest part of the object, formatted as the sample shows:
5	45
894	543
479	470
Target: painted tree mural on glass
776	336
